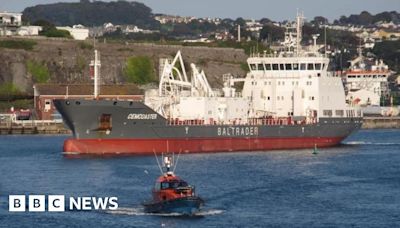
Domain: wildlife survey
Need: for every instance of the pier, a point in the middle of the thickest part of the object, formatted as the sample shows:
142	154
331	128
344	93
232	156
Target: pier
381	122
30	127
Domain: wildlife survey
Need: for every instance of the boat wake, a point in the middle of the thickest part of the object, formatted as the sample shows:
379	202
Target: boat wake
370	143
140	212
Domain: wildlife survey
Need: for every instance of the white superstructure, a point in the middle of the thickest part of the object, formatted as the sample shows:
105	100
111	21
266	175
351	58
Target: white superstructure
294	85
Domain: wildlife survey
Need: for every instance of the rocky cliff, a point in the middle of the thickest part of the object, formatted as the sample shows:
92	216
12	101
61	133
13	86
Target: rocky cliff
67	61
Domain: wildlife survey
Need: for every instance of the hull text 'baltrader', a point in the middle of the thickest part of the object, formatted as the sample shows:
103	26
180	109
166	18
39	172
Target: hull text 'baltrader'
289	100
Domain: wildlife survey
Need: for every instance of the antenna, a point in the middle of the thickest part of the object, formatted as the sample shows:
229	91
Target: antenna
176	163
158	163
325	40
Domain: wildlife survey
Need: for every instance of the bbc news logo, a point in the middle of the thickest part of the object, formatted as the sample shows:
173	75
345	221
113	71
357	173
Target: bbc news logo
57	203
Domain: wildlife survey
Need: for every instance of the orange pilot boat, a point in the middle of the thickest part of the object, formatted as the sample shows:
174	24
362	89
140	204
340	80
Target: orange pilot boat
171	194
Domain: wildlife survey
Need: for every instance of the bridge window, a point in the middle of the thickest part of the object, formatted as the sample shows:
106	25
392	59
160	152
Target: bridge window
282	66
261	66
327	112
295	66
310	66
253	66
288	66
302	66
318	66
339	112
268	66
275	66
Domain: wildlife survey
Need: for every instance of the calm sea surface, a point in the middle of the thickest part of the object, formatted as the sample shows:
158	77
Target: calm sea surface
354	185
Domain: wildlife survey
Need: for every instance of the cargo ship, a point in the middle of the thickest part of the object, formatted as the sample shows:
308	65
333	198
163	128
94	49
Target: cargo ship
289	100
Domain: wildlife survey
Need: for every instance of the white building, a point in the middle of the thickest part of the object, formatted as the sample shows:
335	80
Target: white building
29	30
78	32
11	19
367	82
9	23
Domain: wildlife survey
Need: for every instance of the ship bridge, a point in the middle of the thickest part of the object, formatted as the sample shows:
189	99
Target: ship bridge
277	64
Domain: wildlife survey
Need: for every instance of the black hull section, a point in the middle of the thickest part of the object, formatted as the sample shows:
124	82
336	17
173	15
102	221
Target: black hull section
184	206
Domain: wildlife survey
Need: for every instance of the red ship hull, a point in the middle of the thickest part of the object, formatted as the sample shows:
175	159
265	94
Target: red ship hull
111	147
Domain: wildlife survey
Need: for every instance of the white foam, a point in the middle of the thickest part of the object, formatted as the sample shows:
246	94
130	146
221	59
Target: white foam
140	212
370	143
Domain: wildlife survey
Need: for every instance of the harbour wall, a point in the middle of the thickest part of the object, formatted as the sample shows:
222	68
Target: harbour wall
381	122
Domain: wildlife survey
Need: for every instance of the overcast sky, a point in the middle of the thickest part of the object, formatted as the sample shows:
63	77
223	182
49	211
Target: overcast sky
250	9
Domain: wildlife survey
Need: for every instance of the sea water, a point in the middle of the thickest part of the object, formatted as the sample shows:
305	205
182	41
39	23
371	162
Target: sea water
356	184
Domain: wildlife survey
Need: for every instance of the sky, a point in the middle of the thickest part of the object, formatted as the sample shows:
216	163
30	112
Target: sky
277	10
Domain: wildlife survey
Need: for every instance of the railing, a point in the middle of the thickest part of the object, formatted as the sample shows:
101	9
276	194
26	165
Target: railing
34	123
251	121
29	123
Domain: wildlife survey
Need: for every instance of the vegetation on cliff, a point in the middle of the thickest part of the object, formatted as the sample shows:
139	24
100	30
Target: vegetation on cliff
8	89
92	13
18	44
39	71
139	70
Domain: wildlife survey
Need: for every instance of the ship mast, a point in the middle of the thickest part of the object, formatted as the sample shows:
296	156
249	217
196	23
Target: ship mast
95	65
299	25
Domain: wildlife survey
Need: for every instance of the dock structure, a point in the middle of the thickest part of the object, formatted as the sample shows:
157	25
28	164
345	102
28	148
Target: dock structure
30	127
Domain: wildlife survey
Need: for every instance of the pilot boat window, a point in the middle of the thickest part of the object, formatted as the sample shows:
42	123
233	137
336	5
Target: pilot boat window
164	185
275	66
173	184
157	186
105	122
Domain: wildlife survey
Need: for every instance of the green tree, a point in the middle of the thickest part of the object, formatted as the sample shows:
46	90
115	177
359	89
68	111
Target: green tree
389	51
272	33
139	70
